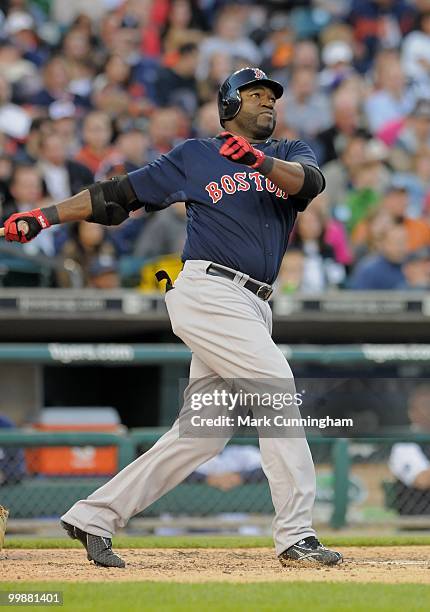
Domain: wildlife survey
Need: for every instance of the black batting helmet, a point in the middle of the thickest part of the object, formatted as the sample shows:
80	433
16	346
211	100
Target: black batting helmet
229	100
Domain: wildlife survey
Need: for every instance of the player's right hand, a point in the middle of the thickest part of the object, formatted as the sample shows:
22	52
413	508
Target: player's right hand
36	222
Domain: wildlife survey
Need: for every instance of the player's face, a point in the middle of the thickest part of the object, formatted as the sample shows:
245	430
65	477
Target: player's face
257	115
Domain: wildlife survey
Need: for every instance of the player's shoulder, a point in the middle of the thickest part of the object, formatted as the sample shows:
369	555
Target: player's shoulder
291	150
292	145
193	144
200	142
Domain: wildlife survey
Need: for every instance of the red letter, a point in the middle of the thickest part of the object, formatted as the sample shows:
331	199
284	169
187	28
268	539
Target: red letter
243	184
214	192
228	184
271	187
257	178
281	194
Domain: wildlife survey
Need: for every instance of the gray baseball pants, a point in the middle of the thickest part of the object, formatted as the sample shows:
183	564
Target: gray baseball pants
228	330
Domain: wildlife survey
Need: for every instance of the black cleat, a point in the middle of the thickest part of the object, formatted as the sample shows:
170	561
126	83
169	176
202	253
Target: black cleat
312	551
98	549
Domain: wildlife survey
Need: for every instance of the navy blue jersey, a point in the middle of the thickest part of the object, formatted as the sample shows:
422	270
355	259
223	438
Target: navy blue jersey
236	216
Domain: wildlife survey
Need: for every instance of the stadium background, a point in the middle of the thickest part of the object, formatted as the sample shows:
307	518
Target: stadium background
89	366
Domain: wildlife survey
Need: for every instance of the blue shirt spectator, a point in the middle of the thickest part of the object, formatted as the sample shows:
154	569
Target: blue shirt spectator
384	270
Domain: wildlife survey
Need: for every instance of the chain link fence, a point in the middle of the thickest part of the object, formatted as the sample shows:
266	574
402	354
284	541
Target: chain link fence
384	471
43	474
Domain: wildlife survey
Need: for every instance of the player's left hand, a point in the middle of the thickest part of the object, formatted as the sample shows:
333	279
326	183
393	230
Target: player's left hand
238	149
36	221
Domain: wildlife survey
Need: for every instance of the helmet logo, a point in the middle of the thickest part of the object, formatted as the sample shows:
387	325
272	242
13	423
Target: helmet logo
259	74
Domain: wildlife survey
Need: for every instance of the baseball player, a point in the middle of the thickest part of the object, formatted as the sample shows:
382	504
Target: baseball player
243	191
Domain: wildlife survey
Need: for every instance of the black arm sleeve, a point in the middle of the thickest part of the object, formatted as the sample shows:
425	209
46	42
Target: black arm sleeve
112	201
313	184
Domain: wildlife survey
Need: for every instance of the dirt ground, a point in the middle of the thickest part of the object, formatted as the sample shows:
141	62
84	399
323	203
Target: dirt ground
372	564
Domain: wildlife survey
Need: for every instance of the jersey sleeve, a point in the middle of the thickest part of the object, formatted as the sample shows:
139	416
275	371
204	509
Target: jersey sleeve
162	182
299	151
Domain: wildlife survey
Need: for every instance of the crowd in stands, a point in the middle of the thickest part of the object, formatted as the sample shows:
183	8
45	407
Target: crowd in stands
89	90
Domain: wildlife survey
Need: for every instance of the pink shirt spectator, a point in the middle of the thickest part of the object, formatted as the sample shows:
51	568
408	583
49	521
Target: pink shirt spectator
336	237
390	131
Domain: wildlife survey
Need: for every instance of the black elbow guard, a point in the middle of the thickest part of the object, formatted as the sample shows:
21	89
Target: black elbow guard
112	201
313	184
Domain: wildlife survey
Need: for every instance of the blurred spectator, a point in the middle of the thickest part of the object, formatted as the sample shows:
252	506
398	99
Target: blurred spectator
26	189
103	273
63	177
12	460
77	55
320	270
228	37
220	66
64	123
368	234
86	241
176	84
21	31
116	93
392	99
184	23
307	109
14	120
236	465
280	50
65	12
306	55
337	56
163	131
30	150
395	203
207	121
56	85
130	153
335	234
379	24
339	172
163	234
141	22
290	277
19	72
416	270
384	269
406	135
417	183
346	122
409	462
416	51
368	180
96	136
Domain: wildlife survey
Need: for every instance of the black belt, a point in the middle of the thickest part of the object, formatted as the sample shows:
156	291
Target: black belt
261	290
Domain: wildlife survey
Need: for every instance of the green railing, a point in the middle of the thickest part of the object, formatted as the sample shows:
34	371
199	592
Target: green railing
140	354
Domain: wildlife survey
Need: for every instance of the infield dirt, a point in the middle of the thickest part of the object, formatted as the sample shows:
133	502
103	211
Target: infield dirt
388	564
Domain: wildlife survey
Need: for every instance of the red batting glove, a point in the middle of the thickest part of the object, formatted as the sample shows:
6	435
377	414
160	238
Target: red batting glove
238	149
36	221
